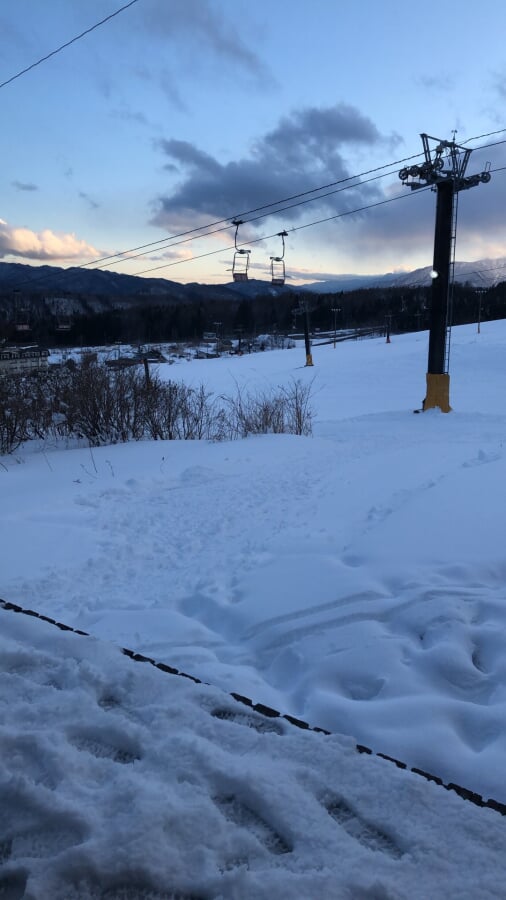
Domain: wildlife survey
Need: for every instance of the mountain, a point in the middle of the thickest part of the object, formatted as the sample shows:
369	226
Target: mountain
351	283
255	286
103	288
484	273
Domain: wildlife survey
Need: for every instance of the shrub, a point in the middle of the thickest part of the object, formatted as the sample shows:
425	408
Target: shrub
107	406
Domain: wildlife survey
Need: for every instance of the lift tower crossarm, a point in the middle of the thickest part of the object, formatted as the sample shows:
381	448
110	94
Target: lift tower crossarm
438	168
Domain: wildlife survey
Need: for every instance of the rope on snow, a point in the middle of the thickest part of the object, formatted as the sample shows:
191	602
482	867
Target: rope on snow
268	712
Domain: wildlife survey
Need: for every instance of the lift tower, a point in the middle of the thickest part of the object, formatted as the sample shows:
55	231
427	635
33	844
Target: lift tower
444	168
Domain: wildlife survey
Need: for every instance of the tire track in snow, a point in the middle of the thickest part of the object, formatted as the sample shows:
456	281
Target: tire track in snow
257	629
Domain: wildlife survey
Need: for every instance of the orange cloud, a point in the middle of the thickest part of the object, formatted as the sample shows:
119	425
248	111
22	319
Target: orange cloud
44	244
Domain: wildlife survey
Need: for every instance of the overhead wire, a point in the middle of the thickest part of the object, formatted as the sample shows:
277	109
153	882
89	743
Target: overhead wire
67	44
316	193
480	136
297	228
274	203
266	237
275	207
193	233
227	227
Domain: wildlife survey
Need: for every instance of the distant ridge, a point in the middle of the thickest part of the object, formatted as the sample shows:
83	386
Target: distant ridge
483	273
124	289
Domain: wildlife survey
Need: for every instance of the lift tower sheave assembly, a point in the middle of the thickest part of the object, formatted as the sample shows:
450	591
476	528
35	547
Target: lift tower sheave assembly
444	168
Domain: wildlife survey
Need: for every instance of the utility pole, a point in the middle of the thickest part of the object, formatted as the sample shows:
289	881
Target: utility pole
335	310
480	292
444	168
307	339
303	309
217	326
239	330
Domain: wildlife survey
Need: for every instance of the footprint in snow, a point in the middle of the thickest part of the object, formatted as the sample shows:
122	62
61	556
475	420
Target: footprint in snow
241	815
363	831
105	746
248	720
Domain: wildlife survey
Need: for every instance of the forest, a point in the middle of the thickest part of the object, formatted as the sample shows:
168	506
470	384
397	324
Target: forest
148	320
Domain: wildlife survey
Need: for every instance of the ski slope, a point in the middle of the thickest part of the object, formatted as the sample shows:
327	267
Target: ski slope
354	579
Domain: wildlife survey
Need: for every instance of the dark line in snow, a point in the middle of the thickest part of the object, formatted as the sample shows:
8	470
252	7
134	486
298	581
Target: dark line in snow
268	712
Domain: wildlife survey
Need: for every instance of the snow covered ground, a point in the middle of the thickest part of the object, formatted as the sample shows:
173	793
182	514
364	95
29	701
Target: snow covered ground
355	579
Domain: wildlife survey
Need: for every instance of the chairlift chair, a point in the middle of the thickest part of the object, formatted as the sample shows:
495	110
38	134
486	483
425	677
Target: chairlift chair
277	270
240	265
63	323
278	263
241	257
22	322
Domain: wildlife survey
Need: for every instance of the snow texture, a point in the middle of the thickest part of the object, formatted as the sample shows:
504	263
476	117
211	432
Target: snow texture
355	579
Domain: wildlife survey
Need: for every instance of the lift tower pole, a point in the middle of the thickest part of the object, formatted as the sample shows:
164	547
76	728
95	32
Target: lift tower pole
444	168
441	281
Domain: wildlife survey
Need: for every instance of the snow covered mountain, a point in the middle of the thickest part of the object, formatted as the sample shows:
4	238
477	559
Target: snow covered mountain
31	279
483	273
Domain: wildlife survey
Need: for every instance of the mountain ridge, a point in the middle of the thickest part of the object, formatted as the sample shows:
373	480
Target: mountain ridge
123	289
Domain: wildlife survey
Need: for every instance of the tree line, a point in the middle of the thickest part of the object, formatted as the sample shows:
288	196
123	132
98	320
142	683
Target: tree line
148	322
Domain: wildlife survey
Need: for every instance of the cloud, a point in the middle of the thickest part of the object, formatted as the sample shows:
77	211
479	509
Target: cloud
499	83
442	82
203	24
400	231
312	147
170	255
305	150
128	115
43	245
24	186
89	200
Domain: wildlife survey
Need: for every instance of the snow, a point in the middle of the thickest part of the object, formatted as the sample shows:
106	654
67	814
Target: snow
354	579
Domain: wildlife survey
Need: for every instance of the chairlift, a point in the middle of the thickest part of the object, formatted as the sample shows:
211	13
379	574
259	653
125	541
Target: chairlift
241	257
22	323
278	263
63	323
21	317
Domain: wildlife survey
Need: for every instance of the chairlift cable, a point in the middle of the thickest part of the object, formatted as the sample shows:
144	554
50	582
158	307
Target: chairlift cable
193	232
253	219
266	237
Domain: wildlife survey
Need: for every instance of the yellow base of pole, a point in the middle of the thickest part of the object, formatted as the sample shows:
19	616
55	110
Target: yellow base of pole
309	359
438	393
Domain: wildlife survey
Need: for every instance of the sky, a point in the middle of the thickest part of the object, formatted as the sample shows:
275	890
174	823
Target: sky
176	114
353	578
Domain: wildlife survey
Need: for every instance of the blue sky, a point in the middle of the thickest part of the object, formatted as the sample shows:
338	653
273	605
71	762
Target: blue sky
177	113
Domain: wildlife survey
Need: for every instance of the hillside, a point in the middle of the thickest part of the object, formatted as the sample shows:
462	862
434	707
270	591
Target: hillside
118	288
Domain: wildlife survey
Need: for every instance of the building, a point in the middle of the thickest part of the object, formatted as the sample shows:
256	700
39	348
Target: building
17	360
